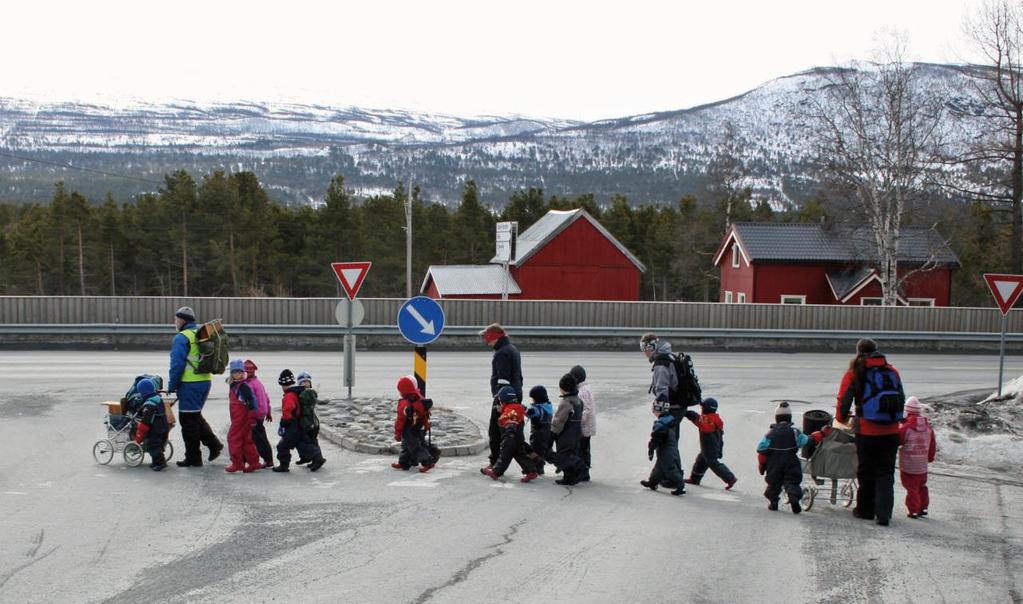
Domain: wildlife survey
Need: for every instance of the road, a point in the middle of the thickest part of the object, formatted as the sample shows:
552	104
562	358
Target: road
357	530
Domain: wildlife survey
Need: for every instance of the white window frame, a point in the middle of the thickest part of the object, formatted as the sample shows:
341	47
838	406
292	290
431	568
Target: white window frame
735	255
790	297
919	301
741	298
863	301
728	297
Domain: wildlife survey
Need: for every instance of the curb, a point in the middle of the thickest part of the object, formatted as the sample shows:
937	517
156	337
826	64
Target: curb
347	442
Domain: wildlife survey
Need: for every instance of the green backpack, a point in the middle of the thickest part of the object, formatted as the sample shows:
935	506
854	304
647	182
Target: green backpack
212	340
307	410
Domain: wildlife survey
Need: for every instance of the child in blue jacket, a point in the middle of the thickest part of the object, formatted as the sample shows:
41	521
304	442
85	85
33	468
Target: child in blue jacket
779	462
153	428
664	443
540	414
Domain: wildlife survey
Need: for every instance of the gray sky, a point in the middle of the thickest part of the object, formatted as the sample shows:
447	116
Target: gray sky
579	60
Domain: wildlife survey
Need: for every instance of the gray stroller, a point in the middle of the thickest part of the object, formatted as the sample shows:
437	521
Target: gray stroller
834	460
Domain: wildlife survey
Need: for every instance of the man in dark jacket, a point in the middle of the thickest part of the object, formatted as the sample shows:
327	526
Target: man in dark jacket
506	370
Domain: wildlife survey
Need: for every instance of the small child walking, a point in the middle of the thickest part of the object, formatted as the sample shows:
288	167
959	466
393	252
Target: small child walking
917	450
779	462
540	414
410	426
242	401
712	431
566	428
307	418
589	425
153	427
513	440
664	444
260	415
290	431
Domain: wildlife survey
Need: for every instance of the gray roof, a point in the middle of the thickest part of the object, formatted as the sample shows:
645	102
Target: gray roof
554	222
469	279
845	282
774	241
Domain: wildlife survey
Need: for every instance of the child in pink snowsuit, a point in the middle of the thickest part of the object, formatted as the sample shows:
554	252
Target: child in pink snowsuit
918	449
259	415
243	452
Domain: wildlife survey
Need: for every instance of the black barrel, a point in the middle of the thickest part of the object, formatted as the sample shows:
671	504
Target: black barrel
813	420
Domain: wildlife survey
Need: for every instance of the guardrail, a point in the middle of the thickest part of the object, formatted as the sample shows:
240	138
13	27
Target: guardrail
524	331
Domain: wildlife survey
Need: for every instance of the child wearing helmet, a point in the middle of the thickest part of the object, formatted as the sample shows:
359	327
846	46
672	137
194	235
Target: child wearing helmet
664	443
410	426
153	428
512	420
241	402
712	431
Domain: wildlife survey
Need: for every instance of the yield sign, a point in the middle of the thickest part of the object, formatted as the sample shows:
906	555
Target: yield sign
351	275
1005	288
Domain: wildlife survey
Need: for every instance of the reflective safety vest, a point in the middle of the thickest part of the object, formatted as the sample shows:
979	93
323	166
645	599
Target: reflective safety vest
192	360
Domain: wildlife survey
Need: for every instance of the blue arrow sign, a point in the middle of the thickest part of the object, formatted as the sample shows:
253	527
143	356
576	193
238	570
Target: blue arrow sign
420	320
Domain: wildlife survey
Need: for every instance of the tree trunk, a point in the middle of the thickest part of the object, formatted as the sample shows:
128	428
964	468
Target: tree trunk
234	268
81	262
184	256
113	288
1017	193
60	267
39	277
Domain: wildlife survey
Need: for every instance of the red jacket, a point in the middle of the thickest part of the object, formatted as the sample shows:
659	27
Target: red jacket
850	392
411	411
512	414
709	422
289	406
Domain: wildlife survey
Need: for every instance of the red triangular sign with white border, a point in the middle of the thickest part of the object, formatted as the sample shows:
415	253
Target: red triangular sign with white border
351	275
1005	288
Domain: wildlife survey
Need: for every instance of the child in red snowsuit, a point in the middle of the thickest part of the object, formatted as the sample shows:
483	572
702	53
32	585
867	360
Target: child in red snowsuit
240	445
712	431
918	448
511	421
410	426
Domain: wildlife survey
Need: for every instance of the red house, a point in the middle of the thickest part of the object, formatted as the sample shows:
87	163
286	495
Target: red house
812	264
566	255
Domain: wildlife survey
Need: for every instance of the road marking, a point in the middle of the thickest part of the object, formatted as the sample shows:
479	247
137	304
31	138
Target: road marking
718	497
15	493
412	483
502	485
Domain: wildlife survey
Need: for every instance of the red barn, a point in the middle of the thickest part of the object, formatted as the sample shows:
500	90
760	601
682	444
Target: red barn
566	255
812	264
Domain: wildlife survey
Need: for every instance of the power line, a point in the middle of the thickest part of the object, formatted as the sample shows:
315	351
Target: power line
74	167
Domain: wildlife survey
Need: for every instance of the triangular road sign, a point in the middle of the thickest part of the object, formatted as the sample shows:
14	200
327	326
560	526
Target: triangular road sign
351	275
1005	288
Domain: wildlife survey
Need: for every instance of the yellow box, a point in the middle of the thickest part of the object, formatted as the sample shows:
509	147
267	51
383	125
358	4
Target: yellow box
113	407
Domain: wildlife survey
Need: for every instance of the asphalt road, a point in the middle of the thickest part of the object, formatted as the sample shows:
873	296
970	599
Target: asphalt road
72	530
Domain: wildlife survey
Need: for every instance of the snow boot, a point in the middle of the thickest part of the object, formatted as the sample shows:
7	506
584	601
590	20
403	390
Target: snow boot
730	484
215	452
398	466
648	484
280	468
317	464
529	477
773	506
794	502
232	468
490	472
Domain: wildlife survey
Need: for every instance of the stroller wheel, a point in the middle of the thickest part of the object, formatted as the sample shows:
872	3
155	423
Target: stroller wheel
848	494
103	451
809	494
133	454
168	451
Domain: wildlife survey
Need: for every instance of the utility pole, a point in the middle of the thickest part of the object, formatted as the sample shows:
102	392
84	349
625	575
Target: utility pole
408	239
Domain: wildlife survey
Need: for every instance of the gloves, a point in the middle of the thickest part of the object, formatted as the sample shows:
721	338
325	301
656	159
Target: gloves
650	454
761	463
692	416
140	433
269	418
281	430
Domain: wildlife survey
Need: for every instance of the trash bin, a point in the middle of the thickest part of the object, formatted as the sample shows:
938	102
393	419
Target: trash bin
813	420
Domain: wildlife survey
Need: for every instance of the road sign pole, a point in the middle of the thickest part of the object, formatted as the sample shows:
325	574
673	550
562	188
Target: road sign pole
350	349
419	368
1001	353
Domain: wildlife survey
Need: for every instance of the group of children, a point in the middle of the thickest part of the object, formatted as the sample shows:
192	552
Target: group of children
249	407
780	465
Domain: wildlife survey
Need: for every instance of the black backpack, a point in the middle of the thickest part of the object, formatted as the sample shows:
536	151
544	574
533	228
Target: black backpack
688	392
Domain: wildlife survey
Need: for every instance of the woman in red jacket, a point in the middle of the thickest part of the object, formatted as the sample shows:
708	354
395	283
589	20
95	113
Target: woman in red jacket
877	440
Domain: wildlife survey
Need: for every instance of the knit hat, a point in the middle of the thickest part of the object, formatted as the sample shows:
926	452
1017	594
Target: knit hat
407	386
237	365
146	388
538	394
250	367
507	395
913	406
783	410
866	346
568	384
492	333
185	313
287	378
303	376
709	405
578	373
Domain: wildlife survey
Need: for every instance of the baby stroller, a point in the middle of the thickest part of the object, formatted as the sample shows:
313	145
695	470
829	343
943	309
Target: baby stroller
833	459
121	420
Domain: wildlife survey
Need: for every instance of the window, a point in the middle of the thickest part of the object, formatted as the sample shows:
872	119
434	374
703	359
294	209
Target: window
870	301
735	255
920	301
792	299
742	298
728	297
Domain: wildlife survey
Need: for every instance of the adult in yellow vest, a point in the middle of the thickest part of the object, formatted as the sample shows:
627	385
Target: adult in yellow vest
192	389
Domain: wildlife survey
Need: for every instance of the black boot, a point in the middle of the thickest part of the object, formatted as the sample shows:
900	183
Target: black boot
794	502
648	484
773	506
281	468
317	464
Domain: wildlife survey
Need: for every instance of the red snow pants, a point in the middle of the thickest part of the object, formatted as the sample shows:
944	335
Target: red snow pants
239	438
917	498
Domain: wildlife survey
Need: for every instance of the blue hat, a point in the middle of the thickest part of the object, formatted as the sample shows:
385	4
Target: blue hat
538	394
507	395
303	376
709	405
237	365
146	388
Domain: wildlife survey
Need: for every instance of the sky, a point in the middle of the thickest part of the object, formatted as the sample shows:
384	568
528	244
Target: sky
565	59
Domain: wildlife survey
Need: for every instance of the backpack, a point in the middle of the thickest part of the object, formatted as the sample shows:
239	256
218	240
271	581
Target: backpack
883	398
688	392
212	340
307	409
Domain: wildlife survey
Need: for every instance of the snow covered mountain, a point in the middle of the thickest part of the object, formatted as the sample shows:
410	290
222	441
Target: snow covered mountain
295	149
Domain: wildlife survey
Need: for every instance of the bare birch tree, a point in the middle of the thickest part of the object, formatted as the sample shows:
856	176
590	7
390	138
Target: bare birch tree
875	135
